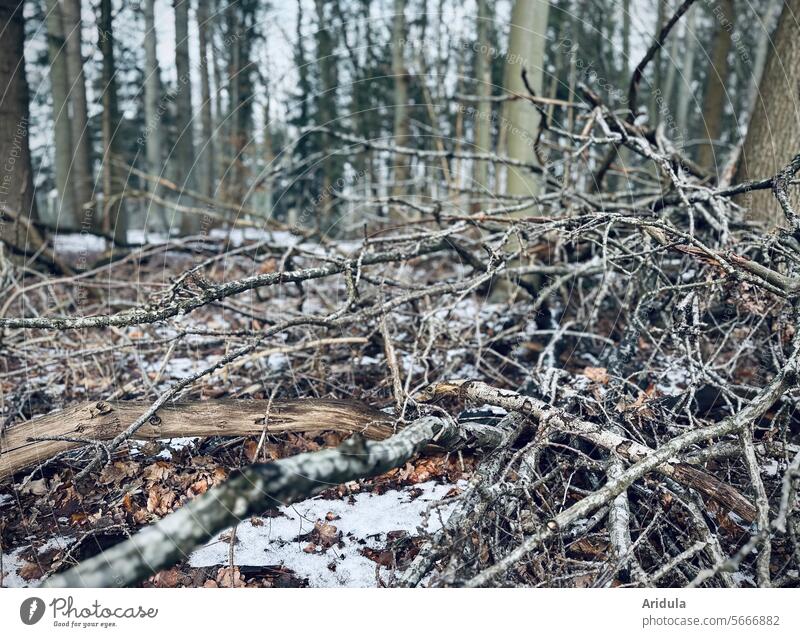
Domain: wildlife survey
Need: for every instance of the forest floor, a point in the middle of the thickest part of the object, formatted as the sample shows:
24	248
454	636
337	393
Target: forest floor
405	325
356	535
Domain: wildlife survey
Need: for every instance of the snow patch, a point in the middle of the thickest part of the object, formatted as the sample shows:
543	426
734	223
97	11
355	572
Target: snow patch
363	523
13	562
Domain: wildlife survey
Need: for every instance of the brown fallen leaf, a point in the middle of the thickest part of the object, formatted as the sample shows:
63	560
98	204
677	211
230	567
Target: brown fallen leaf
596	374
228	577
30	571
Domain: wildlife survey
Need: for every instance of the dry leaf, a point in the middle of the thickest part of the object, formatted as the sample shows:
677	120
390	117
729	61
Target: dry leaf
596	374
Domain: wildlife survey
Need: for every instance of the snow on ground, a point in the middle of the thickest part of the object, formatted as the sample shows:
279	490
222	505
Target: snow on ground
12	563
363	522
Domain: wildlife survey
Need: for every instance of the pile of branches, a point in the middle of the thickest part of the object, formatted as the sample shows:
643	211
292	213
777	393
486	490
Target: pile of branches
620	354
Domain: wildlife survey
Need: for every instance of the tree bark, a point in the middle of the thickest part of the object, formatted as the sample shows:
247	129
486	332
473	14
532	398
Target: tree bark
184	144
685	88
113	218
153	115
17	203
525	51
716	92
206	121
400	75
104	420
773	137
483	110
81	174
62	139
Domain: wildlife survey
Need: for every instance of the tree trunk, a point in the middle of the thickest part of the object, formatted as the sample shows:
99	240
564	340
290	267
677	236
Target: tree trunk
207	186
114	219
483	109
401	117
81	174
525	50
773	137
626	42
327	114
17	203
62	139
759	61
714	102
184	144
656	65
152	98
685	92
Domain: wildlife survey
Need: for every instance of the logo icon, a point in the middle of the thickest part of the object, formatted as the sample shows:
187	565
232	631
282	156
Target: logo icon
31	610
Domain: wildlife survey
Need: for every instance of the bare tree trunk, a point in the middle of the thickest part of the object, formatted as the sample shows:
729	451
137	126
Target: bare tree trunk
714	103
327	114
81	174
626	40
184	144
685	93
17	203
59	84
207	186
760	60
152	97
483	110
525	51
114	219
400	74
773	137
656	65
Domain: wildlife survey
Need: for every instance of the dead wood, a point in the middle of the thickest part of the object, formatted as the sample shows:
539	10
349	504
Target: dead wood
38	440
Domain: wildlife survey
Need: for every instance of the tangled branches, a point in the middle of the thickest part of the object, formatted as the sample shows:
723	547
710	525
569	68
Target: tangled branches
636	347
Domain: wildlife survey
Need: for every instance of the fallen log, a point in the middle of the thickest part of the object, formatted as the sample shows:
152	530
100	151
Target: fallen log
35	441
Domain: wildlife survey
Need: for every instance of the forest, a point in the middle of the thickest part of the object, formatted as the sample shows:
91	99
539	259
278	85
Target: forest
400	293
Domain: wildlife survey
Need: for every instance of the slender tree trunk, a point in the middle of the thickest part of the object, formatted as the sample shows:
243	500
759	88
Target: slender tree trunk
81	174
326	113
626	41
207	142
483	110
184	144
715	98
59	83
152	98
401	117
17	203
685	92
773	137
220	131
114	218
656	65
525	50
269	160
759	61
